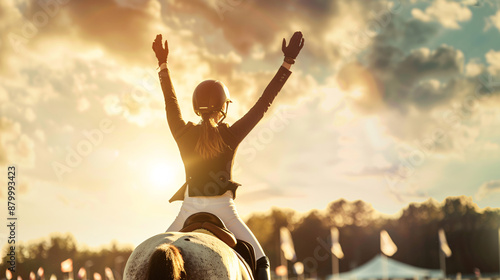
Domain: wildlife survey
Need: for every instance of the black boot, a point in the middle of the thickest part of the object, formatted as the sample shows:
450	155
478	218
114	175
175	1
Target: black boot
262	271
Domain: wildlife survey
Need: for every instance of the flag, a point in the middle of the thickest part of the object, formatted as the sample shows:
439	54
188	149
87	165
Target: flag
281	270
387	246
82	273
109	273
32	276
8	274
53	277
286	243
40	272
299	268
443	244
67	265
97	276
336	249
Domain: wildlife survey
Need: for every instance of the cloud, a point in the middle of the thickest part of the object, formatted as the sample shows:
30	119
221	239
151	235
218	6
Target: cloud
29	114
83	104
398	72
445	61
397	40
470	2
473	68
430	92
417	33
123	29
40	135
86	76
15	147
253	26
4	96
10	18
400	81
488	188
448	13
260	20
136	111
493	59
417	92
85	33
493	20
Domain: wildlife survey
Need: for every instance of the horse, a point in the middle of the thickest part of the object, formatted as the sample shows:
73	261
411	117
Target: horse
199	251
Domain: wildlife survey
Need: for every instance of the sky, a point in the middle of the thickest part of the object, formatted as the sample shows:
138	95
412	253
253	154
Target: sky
389	102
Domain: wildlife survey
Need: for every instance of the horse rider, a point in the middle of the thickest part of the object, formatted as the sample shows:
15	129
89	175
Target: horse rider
208	148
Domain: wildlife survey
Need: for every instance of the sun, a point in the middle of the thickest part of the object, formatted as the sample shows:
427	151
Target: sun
357	93
162	175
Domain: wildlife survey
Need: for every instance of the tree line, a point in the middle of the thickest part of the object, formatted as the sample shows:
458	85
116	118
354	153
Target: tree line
50	252
472	235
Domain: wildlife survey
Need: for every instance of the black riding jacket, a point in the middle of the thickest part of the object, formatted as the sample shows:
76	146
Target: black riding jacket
212	177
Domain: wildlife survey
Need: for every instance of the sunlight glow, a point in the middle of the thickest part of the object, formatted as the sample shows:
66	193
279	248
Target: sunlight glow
161	175
356	93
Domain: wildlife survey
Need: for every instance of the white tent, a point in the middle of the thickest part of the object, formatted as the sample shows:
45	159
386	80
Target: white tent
382	267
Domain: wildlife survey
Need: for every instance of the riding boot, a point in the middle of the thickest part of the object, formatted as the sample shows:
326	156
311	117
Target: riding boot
262	271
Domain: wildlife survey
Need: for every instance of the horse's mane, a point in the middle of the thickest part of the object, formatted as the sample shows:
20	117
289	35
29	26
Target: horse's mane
166	263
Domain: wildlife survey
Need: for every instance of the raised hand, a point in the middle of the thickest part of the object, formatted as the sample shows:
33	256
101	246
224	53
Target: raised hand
160	52
294	46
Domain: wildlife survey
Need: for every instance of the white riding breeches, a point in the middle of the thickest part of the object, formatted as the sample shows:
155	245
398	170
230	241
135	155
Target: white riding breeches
223	207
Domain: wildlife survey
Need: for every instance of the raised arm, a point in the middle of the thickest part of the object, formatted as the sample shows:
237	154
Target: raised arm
243	126
174	117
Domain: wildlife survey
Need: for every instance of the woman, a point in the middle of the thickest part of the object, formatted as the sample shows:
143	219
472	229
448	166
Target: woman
208	148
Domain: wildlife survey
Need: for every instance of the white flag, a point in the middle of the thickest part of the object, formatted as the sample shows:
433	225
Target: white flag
281	270
443	244
336	249
67	265
299	268
82	273
109	273
40	272
286	243
387	246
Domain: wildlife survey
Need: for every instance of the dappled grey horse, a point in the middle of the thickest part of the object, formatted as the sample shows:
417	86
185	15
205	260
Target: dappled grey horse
198	254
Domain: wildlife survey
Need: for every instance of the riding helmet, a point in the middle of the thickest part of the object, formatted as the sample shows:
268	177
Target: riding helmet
210	96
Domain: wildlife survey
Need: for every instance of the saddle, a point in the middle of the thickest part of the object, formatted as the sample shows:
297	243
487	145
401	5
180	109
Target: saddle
216	226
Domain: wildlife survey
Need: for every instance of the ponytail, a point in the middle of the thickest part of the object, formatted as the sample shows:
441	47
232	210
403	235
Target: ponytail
210	143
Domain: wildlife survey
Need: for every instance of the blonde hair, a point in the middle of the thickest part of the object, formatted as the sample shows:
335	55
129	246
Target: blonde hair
210	144
166	262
